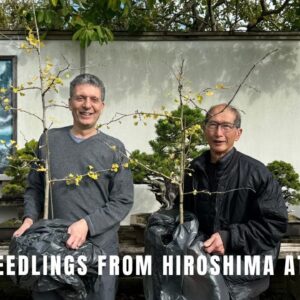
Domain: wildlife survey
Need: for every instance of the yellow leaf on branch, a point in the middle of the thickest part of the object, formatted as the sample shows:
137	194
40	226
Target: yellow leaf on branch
77	179
41	169
199	98
220	86
113	148
115	168
93	175
33	41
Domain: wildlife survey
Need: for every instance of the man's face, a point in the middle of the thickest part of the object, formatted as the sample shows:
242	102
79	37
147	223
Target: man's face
220	131
86	106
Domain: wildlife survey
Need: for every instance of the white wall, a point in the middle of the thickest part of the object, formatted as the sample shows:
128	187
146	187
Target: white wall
144	202
139	75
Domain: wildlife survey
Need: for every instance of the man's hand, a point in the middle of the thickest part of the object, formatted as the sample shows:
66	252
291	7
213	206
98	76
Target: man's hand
214	244
78	232
26	224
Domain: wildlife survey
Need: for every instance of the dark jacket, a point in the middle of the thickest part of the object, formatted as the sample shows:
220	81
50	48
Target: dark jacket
246	205
239	198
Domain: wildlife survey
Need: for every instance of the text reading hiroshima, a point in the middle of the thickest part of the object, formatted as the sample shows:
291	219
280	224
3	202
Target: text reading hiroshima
142	265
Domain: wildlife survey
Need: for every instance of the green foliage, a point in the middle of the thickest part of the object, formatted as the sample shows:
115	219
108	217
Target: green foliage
166	147
95	20
12	14
288	180
18	169
88	20
13	189
203	15
89	32
11	223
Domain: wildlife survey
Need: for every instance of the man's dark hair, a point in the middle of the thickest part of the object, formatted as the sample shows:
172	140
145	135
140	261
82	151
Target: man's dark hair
87	79
238	118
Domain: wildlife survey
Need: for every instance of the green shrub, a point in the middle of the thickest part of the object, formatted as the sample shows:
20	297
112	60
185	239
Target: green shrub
18	168
166	148
288	180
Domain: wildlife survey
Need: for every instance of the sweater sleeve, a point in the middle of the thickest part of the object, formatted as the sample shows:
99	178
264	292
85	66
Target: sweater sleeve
120	200
34	194
266	230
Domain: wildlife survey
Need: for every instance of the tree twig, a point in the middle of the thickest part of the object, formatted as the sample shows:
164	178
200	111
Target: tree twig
249	72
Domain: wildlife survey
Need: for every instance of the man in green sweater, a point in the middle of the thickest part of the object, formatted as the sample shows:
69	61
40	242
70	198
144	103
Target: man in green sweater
103	197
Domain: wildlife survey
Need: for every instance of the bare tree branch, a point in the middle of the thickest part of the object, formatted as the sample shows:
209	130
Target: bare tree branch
27	112
211	16
186	8
265	12
249	72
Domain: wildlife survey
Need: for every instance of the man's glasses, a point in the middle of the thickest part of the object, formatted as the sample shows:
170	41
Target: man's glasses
225	127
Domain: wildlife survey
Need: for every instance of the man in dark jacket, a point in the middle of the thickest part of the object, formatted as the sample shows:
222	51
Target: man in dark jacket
238	203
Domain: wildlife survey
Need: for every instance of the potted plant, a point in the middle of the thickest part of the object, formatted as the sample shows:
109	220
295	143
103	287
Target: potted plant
158	168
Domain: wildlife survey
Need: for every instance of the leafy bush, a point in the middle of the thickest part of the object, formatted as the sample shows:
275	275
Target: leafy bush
166	148
18	169
288	180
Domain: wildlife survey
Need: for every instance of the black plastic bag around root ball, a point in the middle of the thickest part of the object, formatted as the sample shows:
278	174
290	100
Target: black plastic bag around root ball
164	236
47	238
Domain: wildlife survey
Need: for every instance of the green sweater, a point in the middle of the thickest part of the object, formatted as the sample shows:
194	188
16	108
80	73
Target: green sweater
103	203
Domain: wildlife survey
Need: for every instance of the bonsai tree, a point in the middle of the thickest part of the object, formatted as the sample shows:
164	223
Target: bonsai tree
18	168
288	180
166	152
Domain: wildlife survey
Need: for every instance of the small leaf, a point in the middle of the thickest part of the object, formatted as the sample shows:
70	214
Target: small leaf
115	168
220	86
48	17
199	98
77	34
99	32
40	16
93	175
209	93
78	21
54	2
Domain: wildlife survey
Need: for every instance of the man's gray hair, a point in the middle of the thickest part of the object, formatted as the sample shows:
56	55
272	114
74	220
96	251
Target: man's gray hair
238	118
87	79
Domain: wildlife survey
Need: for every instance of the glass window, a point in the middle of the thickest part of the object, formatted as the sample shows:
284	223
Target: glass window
7	117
